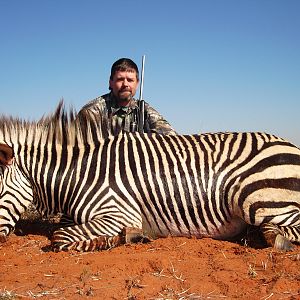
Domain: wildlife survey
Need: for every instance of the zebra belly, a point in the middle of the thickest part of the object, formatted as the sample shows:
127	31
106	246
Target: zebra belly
230	229
224	231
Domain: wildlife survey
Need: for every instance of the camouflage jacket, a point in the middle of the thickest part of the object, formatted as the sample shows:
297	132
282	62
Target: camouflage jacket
123	117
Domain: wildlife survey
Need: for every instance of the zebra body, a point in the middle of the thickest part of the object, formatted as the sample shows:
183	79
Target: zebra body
207	185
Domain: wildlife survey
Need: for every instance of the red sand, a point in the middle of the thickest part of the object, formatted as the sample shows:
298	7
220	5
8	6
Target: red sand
171	268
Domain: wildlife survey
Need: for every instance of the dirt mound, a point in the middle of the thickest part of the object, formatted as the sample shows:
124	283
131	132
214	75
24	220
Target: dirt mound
170	268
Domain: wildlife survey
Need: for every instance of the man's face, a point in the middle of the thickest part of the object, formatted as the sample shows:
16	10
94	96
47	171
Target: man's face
124	84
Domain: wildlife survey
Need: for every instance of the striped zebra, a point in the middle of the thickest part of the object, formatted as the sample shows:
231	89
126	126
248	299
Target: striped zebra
112	188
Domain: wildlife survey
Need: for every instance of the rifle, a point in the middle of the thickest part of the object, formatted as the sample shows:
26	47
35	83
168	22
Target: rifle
141	118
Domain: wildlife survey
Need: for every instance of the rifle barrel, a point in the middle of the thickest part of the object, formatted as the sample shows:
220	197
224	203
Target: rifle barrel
141	101
142	78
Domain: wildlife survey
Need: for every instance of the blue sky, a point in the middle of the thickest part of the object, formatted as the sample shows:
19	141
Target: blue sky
215	65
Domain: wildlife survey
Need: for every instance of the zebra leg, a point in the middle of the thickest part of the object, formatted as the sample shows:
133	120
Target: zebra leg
60	242
276	236
82	238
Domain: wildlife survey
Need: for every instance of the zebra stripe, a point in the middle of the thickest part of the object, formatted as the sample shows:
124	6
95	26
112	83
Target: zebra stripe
185	185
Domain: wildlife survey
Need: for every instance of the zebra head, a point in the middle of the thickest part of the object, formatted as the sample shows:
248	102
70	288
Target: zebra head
15	191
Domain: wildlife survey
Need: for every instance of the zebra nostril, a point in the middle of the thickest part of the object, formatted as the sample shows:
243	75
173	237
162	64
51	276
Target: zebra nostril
3	238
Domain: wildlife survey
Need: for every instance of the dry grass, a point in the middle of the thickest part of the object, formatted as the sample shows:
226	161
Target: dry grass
8	295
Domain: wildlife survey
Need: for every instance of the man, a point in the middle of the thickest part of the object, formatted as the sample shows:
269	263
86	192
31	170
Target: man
120	106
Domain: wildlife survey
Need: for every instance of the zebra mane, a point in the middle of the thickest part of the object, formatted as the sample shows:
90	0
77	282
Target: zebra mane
62	127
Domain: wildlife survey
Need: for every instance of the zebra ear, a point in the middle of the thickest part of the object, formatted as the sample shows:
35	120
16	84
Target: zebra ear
6	155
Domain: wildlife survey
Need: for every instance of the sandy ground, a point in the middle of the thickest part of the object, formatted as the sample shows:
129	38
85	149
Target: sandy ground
171	268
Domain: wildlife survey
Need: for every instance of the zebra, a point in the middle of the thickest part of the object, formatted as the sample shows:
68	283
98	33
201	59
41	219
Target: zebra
114	188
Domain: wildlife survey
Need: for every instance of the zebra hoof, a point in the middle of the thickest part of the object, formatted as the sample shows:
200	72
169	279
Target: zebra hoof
282	243
134	235
3	238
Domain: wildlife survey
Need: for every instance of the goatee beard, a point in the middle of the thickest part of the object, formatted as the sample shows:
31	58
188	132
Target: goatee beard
125	99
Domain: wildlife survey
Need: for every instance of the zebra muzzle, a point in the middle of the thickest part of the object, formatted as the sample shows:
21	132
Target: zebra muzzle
3	238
